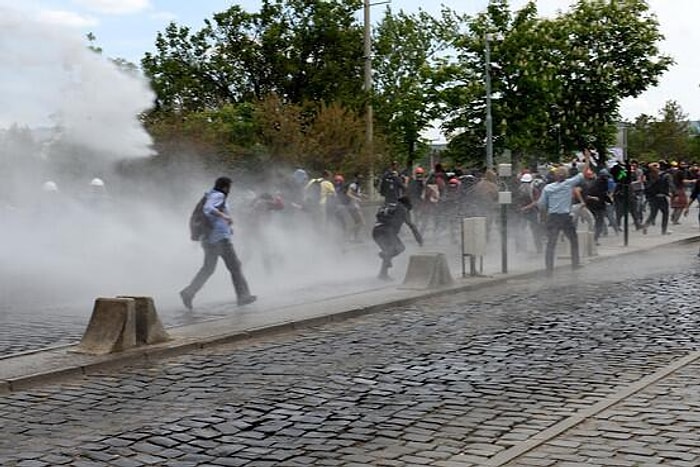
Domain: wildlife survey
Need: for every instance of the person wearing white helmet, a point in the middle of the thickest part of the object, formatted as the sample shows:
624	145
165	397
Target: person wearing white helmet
97	182
97	197
51	204
528	217
49	187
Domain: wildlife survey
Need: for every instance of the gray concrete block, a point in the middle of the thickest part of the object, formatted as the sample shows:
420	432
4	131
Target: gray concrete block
427	271
149	328
112	327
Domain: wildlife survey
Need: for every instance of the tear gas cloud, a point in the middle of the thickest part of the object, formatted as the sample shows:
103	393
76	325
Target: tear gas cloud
51	78
69	116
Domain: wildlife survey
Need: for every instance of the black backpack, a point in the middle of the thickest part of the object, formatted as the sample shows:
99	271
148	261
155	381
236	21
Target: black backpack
386	213
199	223
387	186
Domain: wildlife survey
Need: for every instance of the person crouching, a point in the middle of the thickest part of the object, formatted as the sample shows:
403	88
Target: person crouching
390	218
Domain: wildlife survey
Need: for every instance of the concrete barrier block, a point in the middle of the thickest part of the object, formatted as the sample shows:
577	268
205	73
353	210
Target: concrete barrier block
149	328
427	271
112	327
586	241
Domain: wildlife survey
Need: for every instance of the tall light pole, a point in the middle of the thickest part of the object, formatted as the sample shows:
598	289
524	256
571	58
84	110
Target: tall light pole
368	86
489	118
626	186
369	129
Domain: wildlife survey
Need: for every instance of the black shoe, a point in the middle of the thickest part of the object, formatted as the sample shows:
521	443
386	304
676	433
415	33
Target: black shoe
247	300
186	299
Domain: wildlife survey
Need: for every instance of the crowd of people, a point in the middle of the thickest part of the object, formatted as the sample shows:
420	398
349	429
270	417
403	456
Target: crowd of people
558	198
431	202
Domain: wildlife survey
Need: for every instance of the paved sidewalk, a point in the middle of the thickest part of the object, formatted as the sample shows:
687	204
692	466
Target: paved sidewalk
313	306
592	367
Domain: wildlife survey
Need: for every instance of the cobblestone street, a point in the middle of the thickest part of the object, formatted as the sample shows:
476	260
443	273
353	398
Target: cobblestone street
472	379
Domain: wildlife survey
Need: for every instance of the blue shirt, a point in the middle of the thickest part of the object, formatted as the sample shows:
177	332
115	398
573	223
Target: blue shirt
216	201
557	196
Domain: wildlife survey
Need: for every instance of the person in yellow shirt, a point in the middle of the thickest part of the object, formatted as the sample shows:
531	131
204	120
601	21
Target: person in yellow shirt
319	198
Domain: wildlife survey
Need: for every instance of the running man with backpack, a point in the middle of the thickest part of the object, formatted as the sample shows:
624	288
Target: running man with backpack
390	218
216	243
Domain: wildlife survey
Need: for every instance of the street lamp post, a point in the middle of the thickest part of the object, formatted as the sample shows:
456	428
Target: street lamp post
489	118
367	52
626	186
369	129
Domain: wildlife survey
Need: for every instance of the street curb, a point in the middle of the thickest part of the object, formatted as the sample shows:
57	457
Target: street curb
30	381
175	348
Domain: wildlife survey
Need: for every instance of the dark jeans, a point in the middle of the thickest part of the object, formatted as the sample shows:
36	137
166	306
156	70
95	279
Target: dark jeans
212	251
656	204
389	243
599	216
560	223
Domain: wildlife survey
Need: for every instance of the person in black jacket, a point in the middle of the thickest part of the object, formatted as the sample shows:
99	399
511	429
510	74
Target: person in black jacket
390	218
391	187
657	190
595	195
694	195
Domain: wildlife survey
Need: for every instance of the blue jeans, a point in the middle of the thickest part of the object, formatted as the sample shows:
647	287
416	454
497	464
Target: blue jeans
212	252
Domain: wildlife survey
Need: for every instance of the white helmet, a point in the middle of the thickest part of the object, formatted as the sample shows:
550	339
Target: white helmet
97	182
49	186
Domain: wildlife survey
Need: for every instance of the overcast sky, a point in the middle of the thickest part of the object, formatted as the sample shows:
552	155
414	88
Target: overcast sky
127	29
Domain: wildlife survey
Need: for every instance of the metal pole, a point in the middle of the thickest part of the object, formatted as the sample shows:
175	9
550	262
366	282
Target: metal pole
368	89
626	187
464	270
489	119
504	238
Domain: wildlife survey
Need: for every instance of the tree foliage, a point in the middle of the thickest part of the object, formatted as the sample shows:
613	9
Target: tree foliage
328	136
667	137
282	83
559	81
408	48
298	50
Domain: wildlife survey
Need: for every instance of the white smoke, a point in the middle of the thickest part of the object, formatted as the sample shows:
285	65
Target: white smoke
68	115
51	79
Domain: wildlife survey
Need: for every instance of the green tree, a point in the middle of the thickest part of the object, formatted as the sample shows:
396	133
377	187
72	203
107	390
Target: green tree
299	50
121	63
328	136
668	137
672	132
220	137
559	81
611	53
639	142
408	48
